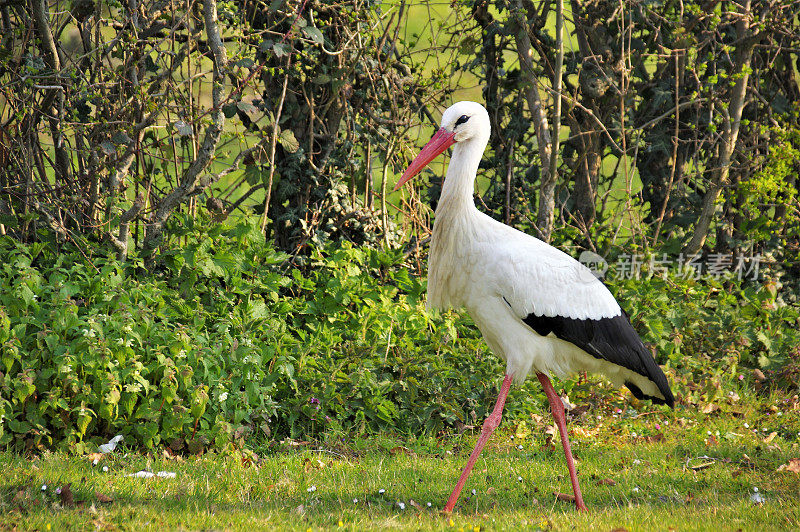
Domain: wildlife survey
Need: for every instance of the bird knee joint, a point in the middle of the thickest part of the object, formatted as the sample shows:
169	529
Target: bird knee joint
491	423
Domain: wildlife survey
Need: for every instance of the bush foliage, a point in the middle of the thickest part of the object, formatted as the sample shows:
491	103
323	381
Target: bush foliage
228	341
223	342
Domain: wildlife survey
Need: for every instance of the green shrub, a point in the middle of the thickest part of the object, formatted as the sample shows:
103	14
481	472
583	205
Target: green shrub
226	340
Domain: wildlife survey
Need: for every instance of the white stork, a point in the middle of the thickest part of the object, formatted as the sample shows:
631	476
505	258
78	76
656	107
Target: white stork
539	309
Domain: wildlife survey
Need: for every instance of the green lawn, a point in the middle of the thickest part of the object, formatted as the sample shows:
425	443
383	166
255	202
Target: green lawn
645	469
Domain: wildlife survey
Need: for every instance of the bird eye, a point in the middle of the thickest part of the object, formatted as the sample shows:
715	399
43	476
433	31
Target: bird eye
462	120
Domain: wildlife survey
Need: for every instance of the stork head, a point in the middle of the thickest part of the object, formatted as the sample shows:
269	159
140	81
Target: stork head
461	123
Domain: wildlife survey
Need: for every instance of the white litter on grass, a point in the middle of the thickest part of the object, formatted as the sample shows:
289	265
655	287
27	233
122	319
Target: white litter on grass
312	488
111	445
381	491
150	474
756	497
567	405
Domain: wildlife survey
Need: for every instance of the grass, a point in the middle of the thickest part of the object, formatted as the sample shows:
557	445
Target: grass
646	469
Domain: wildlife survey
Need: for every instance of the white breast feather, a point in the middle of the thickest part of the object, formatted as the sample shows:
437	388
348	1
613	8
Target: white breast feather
499	261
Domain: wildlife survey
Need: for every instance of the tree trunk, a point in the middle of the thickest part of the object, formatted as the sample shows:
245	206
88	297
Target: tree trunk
191	182
721	171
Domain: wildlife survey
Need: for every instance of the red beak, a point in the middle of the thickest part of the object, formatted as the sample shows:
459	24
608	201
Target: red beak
442	140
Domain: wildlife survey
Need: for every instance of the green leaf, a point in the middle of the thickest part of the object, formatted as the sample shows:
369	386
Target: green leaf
247	107
765	340
121	137
288	141
314	34
229	109
108	148
281	49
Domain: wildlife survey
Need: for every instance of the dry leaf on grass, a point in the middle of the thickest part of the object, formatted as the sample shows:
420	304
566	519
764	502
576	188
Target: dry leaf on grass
311	465
564	496
709	408
704	465
102	498
401	450
793	466
66	496
606	482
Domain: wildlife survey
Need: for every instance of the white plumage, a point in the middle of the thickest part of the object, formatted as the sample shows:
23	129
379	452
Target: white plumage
538	308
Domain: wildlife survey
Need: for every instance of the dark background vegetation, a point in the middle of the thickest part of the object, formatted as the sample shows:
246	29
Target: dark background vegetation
199	244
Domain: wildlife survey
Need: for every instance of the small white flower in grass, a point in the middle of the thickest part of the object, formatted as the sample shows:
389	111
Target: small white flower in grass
519	447
636	461
355	501
519	479
428	505
474	492
58	491
312	488
633	434
636	489
105	469
381	491
779	414
95	462
708	432
747	425
223	397
44	487
402	505
599	417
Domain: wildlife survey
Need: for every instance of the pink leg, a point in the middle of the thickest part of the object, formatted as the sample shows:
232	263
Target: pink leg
491	423
557	407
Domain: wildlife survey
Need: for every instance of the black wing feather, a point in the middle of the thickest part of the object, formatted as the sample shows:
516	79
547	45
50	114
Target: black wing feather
612	339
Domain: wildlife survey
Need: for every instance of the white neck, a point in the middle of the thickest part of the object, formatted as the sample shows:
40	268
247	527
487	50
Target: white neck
455	226
459	184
